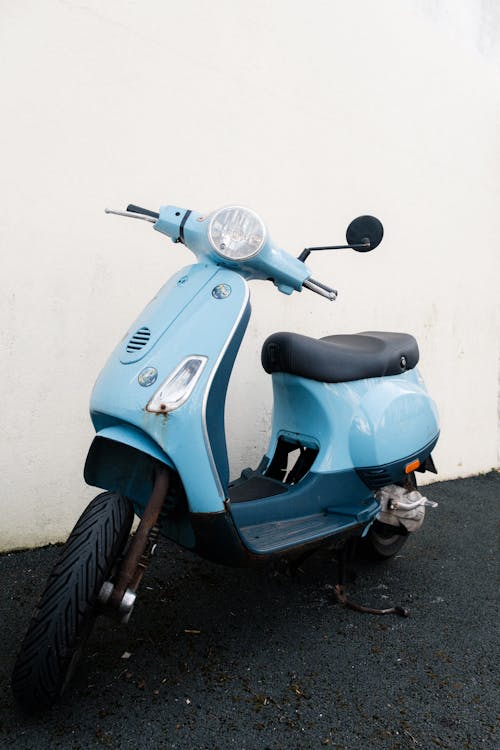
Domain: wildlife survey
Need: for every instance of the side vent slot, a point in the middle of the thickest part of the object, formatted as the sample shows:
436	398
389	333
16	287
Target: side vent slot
139	340
375	478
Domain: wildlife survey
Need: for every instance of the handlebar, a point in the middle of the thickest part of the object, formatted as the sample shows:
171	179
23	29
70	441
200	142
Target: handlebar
145	211
149	216
137	212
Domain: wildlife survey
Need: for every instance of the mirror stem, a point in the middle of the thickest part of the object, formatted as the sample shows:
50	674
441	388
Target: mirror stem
308	250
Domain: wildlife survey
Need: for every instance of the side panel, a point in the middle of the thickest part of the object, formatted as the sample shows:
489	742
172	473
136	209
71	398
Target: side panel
362	423
199	323
395	418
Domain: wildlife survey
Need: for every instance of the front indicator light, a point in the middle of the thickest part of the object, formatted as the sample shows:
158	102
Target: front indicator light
179	385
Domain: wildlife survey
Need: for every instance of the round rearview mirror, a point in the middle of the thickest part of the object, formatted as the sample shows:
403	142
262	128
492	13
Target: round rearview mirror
365	233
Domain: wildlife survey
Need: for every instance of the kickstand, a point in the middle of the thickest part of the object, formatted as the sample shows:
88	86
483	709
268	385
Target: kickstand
341	596
294	565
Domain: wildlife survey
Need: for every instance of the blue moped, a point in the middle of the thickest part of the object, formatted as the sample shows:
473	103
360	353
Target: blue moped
352	423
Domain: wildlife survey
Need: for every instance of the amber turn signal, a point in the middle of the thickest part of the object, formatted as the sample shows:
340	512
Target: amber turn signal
412	466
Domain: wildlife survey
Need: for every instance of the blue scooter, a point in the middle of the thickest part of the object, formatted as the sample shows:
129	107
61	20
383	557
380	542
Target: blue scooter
352	423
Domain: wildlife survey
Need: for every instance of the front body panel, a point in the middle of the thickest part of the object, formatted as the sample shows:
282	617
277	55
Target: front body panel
185	318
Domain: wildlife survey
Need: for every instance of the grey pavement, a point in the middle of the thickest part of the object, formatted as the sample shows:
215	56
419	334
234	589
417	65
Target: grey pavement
222	658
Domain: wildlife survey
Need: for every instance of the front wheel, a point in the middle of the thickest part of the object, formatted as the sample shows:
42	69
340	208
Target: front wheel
64	616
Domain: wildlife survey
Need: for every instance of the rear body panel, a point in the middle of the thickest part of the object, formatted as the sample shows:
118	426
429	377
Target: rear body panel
363	423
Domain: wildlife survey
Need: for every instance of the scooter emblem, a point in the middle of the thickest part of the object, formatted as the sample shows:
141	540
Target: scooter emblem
221	291
147	376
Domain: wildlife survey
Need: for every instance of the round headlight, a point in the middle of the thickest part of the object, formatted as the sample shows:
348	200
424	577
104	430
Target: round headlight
236	233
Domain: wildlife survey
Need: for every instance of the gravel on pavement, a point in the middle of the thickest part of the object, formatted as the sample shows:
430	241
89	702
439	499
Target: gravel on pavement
217	658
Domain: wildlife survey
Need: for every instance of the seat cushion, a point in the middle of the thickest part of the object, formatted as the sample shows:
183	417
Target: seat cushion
340	358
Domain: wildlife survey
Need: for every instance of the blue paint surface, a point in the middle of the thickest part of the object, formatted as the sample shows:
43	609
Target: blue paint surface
203	310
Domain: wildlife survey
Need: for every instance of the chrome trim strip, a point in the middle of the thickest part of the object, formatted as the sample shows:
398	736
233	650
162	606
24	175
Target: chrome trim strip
207	391
228	257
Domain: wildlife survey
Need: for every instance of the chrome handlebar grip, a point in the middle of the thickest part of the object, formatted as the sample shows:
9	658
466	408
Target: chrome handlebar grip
319	288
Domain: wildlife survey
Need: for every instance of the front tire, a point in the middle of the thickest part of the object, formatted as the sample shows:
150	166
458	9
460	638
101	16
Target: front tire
65	614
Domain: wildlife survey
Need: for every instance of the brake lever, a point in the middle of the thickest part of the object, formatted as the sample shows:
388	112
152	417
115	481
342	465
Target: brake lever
131	215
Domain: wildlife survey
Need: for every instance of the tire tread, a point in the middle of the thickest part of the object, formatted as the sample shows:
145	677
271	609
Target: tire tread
63	616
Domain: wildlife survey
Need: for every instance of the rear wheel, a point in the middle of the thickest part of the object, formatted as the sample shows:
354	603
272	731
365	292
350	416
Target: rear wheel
383	541
65	614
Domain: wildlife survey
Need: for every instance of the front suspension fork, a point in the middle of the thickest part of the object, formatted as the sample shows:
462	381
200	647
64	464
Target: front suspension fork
118	598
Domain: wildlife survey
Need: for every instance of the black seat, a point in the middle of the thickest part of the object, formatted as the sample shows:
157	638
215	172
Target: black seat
341	358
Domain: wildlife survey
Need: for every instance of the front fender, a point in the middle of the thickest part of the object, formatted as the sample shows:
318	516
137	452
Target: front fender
121	459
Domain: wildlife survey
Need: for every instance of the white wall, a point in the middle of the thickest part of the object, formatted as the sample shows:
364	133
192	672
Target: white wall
311	113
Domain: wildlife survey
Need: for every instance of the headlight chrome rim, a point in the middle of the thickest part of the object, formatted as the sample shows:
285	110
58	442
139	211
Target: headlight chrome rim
219	248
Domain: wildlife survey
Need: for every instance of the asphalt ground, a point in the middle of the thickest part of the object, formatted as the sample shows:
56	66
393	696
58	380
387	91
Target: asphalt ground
219	658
